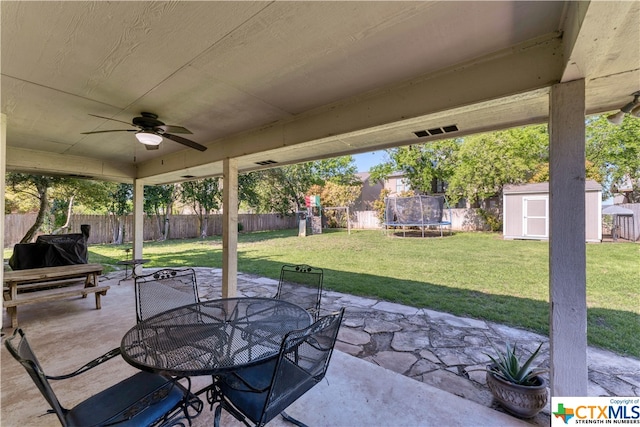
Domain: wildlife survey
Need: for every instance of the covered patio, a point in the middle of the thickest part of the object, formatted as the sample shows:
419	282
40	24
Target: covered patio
386	386
263	84
355	392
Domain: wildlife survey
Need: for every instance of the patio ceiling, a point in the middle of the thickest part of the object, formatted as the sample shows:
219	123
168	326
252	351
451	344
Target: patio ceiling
286	82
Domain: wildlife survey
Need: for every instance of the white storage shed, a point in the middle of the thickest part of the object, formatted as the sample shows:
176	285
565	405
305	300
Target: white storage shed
526	211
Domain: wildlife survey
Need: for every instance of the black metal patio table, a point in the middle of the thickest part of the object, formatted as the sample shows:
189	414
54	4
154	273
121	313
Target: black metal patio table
212	337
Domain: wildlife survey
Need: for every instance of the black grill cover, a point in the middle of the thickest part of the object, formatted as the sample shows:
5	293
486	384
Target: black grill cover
51	251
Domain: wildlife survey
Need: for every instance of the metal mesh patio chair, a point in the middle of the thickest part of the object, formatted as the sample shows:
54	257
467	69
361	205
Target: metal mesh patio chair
144	399
302	285
164	290
257	394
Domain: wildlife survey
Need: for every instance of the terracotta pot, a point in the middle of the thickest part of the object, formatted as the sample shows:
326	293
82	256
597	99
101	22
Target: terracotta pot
519	400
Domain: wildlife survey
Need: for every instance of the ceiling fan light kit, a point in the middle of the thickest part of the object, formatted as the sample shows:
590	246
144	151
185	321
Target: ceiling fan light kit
148	138
152	131
632	108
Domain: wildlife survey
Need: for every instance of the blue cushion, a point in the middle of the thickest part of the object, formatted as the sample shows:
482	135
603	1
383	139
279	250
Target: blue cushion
144	387
252	402
246	397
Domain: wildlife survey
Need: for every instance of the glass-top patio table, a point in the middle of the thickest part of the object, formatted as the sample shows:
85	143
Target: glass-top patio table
212	337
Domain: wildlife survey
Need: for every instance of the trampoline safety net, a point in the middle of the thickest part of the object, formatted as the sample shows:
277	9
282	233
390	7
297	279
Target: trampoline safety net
415	211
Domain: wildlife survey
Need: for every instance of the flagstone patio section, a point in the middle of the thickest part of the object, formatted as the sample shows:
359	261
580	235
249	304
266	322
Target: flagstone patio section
439	349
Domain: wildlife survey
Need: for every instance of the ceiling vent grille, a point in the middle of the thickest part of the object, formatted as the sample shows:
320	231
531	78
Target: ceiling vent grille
266	162
436	131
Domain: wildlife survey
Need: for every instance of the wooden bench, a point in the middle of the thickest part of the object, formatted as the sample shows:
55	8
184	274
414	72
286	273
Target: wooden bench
36	285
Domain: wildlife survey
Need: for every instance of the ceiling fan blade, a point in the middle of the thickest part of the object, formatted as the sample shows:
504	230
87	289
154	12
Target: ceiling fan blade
184	141
108	118
112	130
173	129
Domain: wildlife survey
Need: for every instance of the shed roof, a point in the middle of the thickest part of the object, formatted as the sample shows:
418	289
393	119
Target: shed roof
543	187
616	210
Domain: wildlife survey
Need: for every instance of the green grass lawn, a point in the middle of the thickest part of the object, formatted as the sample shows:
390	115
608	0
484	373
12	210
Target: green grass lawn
478	275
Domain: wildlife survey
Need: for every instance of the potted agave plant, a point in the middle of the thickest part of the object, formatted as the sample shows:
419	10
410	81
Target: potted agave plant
517	386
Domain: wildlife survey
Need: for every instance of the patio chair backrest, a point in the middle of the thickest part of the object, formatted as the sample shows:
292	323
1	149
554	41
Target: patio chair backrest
163	290
302	285
20	349
261	392
301	364
307	352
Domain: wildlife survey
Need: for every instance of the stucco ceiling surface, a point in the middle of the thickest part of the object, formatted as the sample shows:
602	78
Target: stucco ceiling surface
291	81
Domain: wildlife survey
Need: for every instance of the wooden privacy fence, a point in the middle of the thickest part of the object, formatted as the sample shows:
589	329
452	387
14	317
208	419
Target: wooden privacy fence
187	226
16	226
181	226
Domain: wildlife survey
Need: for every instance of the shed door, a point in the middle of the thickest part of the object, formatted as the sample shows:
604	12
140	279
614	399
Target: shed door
535	221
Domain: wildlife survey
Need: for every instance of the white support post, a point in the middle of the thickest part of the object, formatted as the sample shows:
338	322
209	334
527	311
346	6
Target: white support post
3	170
138	223
230	228
567	247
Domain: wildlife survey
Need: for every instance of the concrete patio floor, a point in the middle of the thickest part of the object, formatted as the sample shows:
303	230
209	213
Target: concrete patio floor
357	391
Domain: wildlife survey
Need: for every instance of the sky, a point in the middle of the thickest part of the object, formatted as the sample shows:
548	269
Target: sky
366	160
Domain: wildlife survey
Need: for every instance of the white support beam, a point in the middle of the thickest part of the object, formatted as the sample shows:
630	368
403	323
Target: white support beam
38	162
3	169
230	229
138	222
567	247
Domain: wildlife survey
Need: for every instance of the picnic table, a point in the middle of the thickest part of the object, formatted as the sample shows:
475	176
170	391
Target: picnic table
35	285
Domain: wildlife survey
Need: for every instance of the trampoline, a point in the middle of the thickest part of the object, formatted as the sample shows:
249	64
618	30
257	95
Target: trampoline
417	211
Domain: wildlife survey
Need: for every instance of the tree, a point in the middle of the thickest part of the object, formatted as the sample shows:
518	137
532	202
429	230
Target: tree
204	196
542	172
332	194
59	195
36	186
158	201
247	189
336	195
615	152
283	189
69	192
485	163
338	170
379	205
119	205
420	164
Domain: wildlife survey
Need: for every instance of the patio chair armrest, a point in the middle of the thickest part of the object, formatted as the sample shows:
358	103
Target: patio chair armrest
95	362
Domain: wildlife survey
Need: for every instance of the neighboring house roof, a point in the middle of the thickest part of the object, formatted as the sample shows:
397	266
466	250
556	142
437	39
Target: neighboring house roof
543	187
397	174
